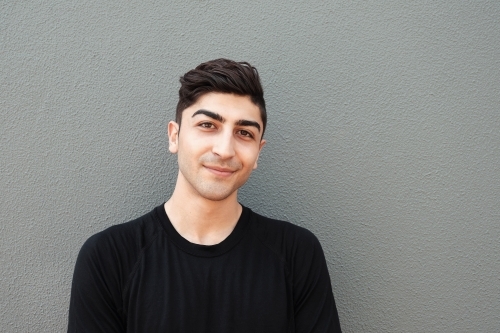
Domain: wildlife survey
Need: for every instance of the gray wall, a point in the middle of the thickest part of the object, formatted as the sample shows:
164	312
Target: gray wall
383	139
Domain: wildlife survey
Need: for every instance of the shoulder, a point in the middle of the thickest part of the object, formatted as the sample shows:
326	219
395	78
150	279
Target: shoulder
269	228
290	241
313	303
121	242
102	270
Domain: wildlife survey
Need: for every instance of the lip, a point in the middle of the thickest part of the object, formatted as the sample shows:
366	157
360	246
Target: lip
222	172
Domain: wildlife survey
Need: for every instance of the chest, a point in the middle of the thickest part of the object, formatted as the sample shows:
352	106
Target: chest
244	290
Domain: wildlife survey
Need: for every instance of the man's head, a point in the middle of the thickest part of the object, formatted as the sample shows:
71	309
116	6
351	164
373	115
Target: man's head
221	76
222	110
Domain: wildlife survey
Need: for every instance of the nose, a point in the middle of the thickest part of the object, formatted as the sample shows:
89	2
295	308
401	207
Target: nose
224	146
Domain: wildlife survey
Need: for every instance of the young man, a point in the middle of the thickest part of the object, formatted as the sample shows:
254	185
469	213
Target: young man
202	262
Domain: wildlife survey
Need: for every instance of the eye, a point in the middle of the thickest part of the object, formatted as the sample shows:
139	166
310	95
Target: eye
207	125
245	133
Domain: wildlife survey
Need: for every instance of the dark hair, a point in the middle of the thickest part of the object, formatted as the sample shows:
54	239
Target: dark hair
222	76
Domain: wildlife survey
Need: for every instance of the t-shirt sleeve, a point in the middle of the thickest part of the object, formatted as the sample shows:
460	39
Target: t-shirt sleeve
95	292
314	305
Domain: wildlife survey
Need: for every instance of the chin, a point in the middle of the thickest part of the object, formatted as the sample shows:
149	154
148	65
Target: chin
216	193
215	196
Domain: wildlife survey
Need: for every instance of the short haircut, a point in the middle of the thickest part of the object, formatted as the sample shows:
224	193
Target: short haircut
221	76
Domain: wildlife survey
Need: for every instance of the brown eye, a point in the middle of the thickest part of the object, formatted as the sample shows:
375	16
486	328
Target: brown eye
246	133
207	125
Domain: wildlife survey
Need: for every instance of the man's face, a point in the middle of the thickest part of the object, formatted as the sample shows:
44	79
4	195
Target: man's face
218	146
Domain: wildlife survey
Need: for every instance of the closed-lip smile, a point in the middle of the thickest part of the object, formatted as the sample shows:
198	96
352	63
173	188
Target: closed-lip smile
219	170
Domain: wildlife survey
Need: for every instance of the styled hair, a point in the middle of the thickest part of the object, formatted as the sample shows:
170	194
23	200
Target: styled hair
221	76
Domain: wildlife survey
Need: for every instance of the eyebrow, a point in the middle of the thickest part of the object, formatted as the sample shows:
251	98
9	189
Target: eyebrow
219	118
248	123
210	114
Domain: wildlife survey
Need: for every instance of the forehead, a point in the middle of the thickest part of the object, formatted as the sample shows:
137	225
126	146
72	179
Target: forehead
229	106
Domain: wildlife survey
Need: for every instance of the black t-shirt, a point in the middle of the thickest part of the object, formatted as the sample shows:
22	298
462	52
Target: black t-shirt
142	276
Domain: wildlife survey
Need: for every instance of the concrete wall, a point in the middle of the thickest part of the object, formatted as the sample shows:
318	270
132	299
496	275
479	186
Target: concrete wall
383	139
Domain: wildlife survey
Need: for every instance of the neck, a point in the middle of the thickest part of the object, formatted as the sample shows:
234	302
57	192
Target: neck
202	221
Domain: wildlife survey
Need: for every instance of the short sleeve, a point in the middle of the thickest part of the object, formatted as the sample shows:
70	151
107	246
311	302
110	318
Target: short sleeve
314	304
95	292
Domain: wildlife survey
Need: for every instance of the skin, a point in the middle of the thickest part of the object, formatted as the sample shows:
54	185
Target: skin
217	149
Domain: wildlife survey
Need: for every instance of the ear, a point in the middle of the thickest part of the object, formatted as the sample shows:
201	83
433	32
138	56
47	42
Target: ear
261	145
173	137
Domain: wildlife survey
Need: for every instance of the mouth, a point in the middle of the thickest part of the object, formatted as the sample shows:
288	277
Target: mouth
219	171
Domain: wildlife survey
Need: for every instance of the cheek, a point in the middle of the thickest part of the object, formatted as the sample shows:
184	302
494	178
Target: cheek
192	145
250	156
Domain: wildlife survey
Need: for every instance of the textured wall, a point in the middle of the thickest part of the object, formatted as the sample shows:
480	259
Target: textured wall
383	139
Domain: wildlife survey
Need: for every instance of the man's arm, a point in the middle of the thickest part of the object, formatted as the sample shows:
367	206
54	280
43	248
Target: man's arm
95	290
314	305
